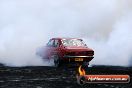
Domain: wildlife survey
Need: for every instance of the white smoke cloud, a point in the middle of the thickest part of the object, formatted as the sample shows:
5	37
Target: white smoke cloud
117	49
28	24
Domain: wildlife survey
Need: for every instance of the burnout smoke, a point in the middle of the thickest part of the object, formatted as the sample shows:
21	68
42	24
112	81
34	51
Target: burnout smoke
26	25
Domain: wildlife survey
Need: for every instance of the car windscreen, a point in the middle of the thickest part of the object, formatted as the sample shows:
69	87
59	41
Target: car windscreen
73	42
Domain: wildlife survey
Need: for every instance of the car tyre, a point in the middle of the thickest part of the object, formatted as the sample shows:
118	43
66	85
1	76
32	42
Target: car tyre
57	62
85	64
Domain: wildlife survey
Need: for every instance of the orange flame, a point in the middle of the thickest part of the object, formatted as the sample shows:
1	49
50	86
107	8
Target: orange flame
81	71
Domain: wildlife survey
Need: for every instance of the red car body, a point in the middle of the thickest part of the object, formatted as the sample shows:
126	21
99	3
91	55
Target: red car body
77	52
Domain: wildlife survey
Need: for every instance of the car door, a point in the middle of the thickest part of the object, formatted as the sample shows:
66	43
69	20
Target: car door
56	46
53	47
50	48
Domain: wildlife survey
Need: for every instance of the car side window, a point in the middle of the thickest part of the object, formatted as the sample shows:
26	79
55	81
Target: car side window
50	43
56	44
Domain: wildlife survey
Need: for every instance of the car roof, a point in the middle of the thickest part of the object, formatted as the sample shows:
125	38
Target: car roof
60	38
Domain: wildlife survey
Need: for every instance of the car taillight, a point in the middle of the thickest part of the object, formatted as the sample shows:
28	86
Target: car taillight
89	52
70	53
81	53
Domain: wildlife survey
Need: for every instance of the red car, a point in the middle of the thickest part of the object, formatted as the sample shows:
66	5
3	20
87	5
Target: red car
66	50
